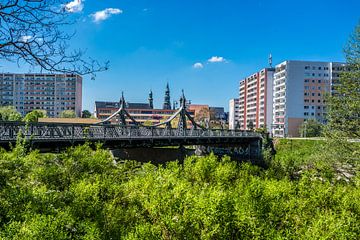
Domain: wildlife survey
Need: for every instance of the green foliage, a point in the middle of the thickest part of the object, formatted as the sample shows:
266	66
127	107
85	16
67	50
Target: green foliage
344	110
86	114
34	115
311	128
83	194
68	114
9	113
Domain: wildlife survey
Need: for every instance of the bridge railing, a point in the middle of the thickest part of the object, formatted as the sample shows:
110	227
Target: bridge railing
51	131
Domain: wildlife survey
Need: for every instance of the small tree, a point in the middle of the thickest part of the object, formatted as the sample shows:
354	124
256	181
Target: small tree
310	128
86	114
68	114
9	113
204	113
34	115
344	108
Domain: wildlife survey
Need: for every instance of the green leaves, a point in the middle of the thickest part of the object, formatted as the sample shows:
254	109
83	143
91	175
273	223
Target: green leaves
83	194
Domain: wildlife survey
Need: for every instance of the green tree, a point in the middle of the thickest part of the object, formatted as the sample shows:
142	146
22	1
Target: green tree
310	128
68	114
9	113
86	114
34	115
344	110
344	105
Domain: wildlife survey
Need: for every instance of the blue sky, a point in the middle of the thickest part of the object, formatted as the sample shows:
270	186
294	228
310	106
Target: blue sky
151	42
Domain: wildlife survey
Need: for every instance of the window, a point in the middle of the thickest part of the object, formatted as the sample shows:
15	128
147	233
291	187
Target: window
313	80
307	67
306	80
306	107
319	94
306	114
319	81
319	68
313	94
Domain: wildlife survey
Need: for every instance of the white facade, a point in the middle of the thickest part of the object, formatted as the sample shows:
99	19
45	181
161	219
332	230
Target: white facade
233	113
299	90
53	93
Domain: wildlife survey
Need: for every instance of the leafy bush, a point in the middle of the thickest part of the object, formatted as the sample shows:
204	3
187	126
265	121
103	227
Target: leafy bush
83	194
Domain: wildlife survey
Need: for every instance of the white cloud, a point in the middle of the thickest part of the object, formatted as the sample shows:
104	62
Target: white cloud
198	65
25	38
74	6
216	59
105	14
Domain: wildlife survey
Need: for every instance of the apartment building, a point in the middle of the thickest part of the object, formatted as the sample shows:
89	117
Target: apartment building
141	112
53	93
255	100
234	113
299	93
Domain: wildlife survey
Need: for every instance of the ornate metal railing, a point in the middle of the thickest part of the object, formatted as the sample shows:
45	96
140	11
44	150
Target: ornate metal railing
58	132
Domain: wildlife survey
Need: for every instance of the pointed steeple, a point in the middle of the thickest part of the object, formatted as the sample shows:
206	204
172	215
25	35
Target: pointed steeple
151	100
122	101
167	103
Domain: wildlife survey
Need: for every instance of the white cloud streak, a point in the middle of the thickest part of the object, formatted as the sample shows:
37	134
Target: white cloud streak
74	6
105	14
198	65
216	59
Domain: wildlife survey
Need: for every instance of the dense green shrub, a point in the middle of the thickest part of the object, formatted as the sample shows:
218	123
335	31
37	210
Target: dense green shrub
83	194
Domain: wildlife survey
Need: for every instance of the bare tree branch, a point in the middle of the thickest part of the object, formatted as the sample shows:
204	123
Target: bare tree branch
31	32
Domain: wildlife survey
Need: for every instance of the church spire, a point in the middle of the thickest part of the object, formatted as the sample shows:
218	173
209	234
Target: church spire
151	100
167	103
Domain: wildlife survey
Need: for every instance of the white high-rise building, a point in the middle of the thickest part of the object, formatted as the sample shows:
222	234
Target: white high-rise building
299	93
53	93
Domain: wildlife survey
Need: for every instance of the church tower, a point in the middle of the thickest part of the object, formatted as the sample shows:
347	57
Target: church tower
167	104
151	100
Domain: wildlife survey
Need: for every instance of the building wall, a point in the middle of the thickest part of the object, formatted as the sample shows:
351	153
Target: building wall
233	113
53	93
104	110
255	99
299	93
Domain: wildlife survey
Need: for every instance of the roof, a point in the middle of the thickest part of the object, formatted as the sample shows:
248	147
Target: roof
69	120
100	104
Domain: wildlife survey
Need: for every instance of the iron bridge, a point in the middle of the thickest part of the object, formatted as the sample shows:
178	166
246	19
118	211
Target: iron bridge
125	135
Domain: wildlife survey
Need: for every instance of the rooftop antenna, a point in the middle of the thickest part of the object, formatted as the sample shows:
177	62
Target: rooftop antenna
270	60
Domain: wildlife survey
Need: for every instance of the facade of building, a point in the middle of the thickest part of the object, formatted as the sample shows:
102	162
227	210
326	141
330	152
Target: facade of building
217	114
53	93
282	98
141	112
255	100
299	93
234	113
201	111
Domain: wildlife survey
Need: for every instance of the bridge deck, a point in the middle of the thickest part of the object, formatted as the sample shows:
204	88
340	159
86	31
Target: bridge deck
50	134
